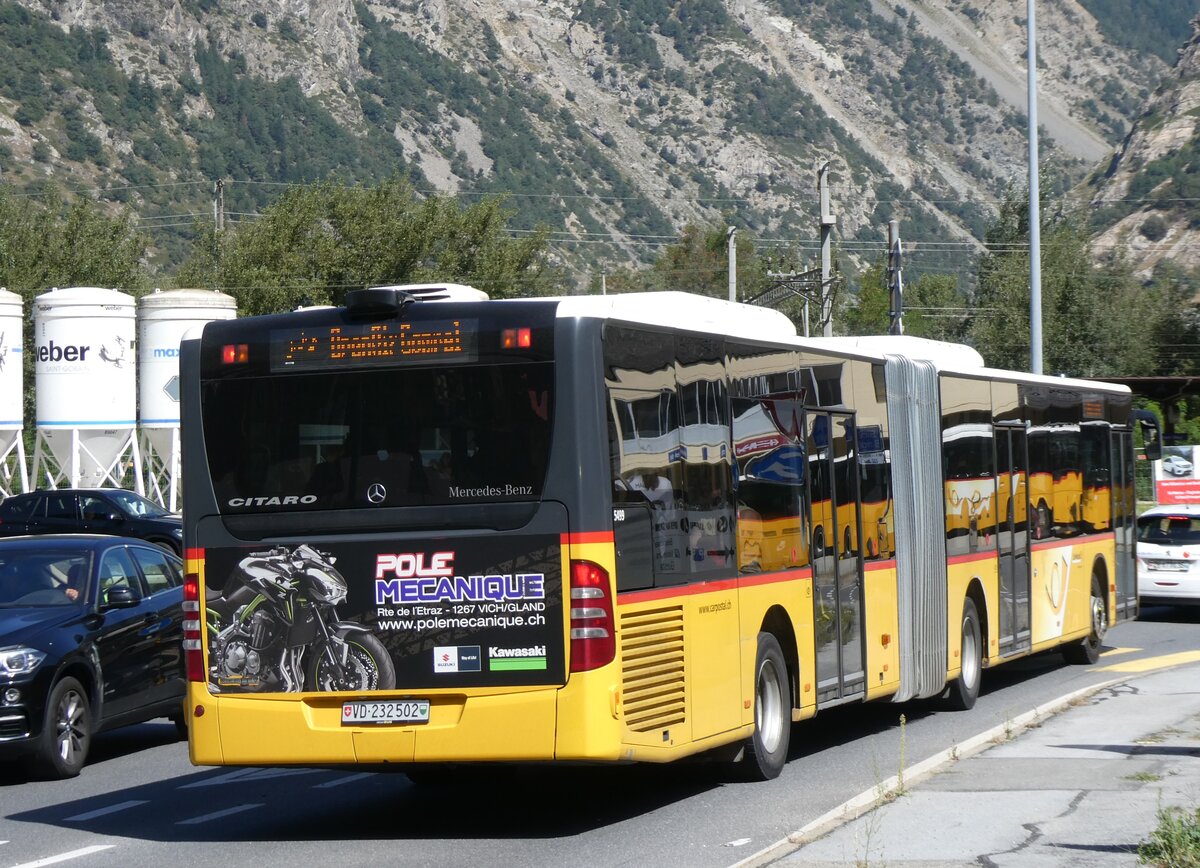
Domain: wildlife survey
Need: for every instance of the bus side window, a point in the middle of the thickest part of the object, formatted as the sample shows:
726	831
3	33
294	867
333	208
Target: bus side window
772	525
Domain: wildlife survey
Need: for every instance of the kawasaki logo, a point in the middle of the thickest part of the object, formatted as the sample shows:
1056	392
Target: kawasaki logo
535	651
508	659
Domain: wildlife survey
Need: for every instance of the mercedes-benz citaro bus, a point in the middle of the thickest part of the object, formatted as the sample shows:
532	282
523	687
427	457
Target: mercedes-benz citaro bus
428	527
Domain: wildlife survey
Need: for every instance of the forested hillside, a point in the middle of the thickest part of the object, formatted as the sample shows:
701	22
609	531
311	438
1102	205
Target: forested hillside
612	122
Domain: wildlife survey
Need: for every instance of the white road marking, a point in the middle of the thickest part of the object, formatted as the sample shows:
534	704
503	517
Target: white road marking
348	779
63	857
216	815
100	812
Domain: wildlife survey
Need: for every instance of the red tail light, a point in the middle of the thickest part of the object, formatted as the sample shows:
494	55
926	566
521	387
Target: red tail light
193	654
513	338
593	632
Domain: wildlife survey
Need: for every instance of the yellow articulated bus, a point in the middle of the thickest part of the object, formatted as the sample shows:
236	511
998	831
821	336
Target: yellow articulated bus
428	527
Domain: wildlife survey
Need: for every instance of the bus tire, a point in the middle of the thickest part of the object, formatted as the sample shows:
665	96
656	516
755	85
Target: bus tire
818	544
766	750
1087	650
964	690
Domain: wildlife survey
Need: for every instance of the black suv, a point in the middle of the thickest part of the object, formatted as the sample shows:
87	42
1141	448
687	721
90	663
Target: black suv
91	638
112	511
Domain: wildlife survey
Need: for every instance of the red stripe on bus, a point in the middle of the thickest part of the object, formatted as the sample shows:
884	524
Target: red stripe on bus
747	581
1072	541
590	536
194	554
677	591
753	580
871	566
966	559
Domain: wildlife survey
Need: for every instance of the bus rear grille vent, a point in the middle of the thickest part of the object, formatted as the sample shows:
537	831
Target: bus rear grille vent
652	671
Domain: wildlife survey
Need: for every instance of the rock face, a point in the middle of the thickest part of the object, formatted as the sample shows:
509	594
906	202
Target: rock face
711	108
1146	190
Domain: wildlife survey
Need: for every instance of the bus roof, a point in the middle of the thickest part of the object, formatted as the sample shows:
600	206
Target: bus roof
683	310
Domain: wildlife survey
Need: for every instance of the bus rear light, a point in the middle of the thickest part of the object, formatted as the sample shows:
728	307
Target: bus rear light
593	631
513	338
193	651
235	354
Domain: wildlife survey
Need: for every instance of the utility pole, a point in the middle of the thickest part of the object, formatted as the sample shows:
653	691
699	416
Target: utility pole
219	205
827	223
731	240
895	276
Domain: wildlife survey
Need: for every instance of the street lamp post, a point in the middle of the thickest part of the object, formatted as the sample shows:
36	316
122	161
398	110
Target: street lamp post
1035	220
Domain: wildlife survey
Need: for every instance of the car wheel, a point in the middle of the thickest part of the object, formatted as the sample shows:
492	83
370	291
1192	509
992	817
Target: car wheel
66	733
170	545
181	727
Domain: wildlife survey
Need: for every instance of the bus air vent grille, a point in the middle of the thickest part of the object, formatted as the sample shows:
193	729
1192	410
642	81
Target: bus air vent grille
652	672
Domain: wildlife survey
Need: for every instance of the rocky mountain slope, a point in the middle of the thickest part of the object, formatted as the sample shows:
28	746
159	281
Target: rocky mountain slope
615	122
1145	199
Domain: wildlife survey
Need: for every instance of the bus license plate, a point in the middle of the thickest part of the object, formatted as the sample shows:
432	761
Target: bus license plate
397	711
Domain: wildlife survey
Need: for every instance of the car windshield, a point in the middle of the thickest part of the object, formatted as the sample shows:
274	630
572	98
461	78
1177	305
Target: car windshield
136	505
43	577
1169	529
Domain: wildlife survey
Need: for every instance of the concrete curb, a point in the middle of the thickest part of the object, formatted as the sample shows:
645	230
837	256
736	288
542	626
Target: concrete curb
868	800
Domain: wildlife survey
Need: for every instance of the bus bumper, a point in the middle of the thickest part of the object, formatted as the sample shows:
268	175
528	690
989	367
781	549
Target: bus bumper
306	729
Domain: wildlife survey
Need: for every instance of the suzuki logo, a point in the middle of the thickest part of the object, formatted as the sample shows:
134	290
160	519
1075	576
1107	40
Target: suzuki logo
376	493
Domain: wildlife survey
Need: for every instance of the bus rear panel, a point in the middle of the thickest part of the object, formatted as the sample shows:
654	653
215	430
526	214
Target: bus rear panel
378	565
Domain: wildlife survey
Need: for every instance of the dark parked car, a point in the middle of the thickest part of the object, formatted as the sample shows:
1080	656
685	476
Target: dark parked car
91	636
91	510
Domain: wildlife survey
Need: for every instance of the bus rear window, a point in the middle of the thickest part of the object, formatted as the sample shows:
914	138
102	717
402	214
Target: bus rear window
379	437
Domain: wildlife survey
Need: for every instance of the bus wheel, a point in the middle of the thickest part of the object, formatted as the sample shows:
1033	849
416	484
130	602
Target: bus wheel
1042	522
1087	650
766	750
963	692
818	544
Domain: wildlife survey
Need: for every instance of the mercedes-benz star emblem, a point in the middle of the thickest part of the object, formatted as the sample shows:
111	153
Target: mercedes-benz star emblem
376	493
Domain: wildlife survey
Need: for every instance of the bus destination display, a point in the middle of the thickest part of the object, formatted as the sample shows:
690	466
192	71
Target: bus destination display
366	345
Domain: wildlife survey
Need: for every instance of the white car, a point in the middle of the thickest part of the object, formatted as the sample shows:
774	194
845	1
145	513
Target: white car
1176	465
1168	555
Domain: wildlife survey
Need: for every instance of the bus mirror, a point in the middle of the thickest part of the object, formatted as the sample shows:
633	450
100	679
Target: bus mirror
1151	434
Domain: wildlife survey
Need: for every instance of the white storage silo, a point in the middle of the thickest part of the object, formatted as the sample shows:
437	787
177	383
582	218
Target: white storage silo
163	319
14	475
85	372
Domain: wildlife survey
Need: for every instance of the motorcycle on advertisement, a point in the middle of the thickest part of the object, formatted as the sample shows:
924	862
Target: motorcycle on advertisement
277	630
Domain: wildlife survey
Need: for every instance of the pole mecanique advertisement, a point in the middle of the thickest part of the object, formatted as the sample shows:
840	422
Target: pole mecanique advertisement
378	615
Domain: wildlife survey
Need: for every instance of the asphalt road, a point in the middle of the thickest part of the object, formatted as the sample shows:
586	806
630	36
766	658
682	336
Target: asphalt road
140	803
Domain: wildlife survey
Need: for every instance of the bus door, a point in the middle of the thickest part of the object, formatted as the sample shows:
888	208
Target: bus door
1123	521
836	561
1012	536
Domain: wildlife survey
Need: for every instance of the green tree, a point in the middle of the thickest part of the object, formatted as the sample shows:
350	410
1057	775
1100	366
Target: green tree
1177	337
1097	319
868	311
699	263
316	242
48	242
933	307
